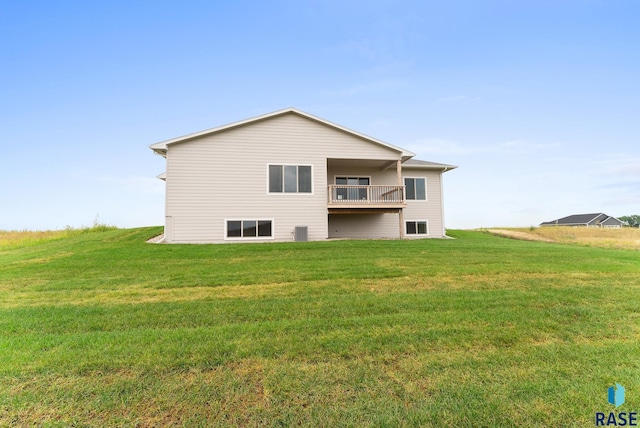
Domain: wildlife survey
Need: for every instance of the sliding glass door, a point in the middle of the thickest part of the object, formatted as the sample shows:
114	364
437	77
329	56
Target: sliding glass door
352	193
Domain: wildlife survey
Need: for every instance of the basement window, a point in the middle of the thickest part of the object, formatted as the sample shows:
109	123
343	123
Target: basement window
417	228
250	229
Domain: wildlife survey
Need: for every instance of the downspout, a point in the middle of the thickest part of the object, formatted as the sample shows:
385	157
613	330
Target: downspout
444	230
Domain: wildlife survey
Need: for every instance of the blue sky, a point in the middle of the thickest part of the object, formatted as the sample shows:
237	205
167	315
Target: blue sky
536	101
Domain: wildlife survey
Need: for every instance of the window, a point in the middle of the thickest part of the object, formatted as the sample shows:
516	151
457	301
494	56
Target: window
249	229
416	189
290	178
352	193
417	228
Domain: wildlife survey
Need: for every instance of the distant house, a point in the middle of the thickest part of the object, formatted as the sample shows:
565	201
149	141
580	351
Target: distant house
586	220
288	176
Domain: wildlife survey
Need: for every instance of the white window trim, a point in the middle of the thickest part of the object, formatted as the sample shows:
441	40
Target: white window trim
313	187
415	221
426	192
250	238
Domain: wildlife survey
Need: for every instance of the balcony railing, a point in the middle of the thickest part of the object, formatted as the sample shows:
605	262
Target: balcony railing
365	196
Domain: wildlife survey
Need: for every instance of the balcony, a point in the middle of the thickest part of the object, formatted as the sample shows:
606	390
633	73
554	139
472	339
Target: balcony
350	196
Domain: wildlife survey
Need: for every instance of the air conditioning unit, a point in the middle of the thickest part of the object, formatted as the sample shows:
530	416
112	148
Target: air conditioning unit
301	234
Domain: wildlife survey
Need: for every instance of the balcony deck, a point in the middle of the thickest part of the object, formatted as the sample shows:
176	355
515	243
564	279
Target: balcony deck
365	197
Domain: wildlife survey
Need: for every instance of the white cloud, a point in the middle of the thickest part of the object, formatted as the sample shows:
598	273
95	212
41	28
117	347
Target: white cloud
137	184
451	147
457	99
519	146
361	48
623	166
380	85
442	146
631	200
619	176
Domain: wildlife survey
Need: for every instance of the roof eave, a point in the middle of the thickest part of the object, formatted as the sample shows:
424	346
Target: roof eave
440	167
160	151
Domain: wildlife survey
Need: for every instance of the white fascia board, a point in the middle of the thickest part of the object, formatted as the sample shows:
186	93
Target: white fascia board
443	168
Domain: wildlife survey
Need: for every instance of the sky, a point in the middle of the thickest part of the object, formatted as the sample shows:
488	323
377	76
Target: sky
536	101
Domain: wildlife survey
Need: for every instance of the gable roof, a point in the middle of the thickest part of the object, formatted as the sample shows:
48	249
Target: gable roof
612	220
578	219
161	147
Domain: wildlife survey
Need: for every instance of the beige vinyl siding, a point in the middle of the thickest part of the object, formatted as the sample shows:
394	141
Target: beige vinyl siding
431	209
364	226
225	176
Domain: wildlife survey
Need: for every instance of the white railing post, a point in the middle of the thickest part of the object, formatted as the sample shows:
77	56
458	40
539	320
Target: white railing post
365	195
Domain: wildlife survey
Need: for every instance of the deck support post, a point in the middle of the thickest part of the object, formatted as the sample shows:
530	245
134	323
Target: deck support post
400	211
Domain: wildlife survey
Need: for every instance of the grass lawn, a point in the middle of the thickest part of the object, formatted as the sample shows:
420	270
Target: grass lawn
103	329
626	238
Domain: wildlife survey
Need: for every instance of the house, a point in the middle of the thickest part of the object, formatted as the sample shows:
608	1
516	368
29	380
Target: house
287	176
586	220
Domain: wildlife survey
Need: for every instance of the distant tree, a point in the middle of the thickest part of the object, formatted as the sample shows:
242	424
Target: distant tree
631	220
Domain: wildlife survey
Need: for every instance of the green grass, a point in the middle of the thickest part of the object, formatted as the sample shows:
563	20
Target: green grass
10	239
103	329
